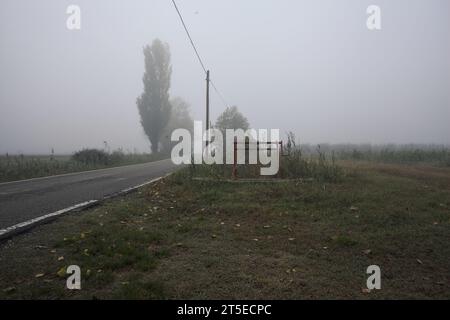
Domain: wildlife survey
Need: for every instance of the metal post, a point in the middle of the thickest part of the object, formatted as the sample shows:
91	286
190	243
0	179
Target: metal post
233	173
207	100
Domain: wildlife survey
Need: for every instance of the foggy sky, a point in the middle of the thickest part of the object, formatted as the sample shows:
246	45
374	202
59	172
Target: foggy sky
307	66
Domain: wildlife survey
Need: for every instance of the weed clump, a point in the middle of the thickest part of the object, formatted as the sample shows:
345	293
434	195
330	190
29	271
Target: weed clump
320	167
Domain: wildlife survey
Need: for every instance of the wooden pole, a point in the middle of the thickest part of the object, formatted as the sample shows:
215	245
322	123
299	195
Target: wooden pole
207	100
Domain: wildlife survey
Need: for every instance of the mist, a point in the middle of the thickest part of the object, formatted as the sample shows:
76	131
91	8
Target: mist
311	67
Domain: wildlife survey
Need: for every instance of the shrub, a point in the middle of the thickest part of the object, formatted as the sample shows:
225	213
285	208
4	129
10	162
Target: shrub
91	157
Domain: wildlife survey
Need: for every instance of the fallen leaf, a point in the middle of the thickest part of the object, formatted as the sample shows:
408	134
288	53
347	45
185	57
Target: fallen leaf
419	261
39	275
9	289
62	272
365	290
61	258
368	251
353	208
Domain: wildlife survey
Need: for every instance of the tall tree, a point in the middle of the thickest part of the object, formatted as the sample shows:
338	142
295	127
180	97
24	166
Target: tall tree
232	118
154	106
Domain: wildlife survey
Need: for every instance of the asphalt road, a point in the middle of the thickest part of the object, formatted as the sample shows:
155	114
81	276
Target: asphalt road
24	200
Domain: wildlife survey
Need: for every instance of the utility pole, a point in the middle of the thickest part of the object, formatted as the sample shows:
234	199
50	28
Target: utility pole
207	100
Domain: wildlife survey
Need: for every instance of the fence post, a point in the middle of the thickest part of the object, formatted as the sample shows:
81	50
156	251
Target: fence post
234	159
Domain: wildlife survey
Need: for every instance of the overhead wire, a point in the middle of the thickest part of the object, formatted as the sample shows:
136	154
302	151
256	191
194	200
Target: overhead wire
197	54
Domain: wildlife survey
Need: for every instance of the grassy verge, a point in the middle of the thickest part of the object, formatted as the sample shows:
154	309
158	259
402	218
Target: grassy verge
183	238
26	167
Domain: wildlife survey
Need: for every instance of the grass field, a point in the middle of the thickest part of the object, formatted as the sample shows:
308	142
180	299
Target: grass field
18	167
182	238
437	155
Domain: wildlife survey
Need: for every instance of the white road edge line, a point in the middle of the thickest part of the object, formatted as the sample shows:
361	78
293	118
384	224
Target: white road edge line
26	225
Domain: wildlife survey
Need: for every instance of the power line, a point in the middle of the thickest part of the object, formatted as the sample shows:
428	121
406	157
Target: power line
219	94
189	36
197	54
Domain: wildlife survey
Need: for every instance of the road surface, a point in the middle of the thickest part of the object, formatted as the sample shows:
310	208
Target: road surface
28	199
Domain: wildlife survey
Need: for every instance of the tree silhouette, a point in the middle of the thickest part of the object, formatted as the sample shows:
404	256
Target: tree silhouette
232	118
154	106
